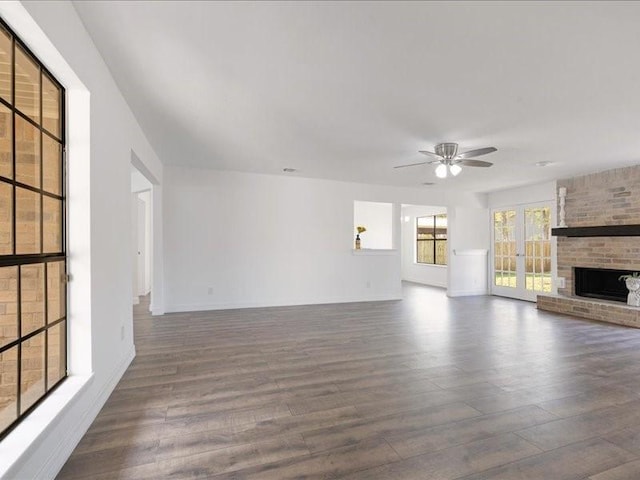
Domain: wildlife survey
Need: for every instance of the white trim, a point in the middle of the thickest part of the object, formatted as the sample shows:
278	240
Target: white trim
374	251
467	293
201	307
477	251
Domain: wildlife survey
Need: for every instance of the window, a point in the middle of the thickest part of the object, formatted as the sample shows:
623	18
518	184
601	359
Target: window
431	240
33	324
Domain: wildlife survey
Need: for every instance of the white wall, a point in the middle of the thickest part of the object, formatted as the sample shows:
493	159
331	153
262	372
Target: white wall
522	195
376	217
134	249
415	272
254	240
148	236
100	238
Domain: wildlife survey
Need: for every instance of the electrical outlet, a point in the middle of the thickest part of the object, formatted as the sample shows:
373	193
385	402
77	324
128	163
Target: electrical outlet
121	332
561	282
210	291
368	284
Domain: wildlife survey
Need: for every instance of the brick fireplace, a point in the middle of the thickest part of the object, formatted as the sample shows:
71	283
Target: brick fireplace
608	199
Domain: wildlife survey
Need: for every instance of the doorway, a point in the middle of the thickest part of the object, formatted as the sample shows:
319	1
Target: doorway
522	251
141	234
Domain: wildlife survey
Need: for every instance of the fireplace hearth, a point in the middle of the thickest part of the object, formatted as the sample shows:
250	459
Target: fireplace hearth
600	283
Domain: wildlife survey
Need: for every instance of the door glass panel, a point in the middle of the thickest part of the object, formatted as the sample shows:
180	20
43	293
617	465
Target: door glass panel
27	153
6	223
8	387
31	297
6	141
8	305
51	225
32	371
537	233
27	221
5	68
56	291
56	353
51	165
504	223
27	85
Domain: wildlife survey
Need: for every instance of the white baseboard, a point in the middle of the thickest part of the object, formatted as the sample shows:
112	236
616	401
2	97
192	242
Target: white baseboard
423	282
198	307
65	445
466	293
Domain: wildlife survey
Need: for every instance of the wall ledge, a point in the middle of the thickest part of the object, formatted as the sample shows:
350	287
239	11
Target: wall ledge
29	433
27	437
475	251
374	251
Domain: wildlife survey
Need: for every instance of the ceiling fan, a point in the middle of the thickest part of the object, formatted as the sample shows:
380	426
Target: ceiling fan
450	161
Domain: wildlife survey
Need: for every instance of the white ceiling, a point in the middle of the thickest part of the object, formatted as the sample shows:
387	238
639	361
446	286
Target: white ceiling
347	90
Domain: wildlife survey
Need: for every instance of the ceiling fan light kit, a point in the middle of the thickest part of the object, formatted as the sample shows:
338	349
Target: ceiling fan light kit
441	171
455	169
448	159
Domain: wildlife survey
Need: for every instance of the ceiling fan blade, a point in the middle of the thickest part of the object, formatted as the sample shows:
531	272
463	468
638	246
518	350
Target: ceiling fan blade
476	153
431	154
412	165
474	163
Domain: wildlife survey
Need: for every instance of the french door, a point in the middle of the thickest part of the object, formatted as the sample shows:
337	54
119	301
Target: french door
522	251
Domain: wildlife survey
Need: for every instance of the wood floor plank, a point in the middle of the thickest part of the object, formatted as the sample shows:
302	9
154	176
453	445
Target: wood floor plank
406	422
573	462
465	431
213	462
453	462
627	438
628	471
332	464
586	402
110	460
558	433
172	443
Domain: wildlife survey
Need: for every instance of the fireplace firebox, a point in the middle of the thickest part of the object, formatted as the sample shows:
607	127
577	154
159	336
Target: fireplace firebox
601	283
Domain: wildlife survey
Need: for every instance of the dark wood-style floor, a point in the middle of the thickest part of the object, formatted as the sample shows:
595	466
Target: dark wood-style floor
425	388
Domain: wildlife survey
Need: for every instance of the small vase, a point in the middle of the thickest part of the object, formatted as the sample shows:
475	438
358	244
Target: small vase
358	242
